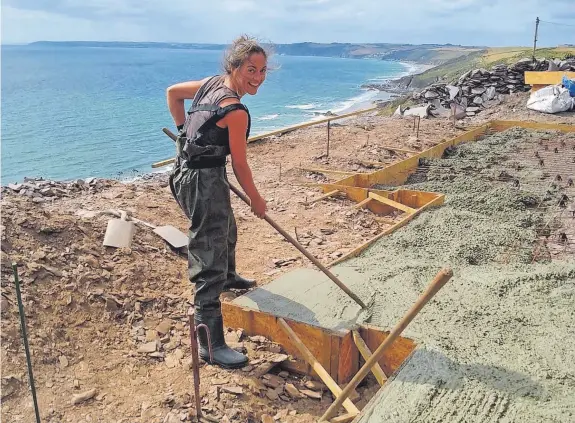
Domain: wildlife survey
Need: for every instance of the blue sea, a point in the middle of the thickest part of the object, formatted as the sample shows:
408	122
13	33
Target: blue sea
75	112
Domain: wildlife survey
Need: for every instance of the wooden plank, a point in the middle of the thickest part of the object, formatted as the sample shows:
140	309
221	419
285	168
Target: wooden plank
319	170
316	365
163	163
318	340
323	197
395	355
546	77
310	123
365	352
344	418
502	125
385	220
362	203
415	199
348	363
392	203
335	351
357	194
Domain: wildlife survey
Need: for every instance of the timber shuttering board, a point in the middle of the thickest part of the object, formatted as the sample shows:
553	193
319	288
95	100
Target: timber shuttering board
334	350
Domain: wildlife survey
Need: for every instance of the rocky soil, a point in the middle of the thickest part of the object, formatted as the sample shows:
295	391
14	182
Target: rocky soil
112	323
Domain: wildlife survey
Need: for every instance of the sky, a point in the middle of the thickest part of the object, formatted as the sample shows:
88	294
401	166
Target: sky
465	22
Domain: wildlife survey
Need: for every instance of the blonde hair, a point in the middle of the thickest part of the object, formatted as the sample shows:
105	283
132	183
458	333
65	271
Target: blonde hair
240	49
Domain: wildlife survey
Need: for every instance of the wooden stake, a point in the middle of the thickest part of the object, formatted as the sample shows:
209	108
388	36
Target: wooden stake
366	354
317	367
392	203
323	197
345	418
362	203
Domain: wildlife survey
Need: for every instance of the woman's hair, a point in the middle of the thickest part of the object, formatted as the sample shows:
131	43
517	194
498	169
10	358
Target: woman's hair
240	49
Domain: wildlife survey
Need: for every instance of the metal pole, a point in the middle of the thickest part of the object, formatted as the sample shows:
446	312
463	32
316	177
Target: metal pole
328	137
535	38
25	339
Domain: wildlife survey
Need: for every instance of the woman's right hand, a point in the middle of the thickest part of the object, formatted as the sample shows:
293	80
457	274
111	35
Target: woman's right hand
259	206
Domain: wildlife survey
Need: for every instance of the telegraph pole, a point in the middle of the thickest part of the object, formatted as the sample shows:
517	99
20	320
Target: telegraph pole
535	38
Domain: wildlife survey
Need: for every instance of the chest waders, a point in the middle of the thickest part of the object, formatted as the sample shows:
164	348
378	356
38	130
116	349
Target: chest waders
200	186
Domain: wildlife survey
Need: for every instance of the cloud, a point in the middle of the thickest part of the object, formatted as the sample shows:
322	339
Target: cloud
470	22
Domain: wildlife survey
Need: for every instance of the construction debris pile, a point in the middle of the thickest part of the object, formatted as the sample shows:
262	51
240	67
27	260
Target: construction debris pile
480	88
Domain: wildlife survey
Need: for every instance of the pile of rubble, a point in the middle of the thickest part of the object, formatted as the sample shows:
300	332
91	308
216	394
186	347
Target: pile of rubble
40	190
478	88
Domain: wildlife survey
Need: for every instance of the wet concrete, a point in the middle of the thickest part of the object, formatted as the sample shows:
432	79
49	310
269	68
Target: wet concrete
496	343
309	296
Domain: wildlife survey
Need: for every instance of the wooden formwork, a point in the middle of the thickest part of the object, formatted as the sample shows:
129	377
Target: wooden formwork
359	187
336	351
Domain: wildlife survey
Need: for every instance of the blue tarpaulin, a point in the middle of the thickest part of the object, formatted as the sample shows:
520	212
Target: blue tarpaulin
569	84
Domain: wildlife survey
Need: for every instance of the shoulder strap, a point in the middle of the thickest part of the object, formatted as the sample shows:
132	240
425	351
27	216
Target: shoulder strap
221	112
203	108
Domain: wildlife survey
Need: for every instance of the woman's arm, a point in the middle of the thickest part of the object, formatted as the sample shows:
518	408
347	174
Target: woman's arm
177	93
237	123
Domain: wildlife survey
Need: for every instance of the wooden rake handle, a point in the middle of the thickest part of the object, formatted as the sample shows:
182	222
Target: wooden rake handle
293	241
438	282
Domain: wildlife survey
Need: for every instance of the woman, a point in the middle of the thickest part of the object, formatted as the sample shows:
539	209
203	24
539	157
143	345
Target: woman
217	124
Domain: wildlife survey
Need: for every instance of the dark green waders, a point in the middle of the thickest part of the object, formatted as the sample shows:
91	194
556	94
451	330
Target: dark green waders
204	195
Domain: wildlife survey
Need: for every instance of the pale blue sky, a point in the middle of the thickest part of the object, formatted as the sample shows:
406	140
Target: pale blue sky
468	22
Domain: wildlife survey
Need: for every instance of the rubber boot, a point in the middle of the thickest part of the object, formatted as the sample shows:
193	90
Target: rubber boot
235	281
222	355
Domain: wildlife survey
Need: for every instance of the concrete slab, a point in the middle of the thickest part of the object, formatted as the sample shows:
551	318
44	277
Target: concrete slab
307	295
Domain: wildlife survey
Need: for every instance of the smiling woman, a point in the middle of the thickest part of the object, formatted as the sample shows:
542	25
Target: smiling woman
216	125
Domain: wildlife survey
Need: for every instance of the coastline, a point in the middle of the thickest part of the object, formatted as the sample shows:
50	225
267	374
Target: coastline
365	98
380	94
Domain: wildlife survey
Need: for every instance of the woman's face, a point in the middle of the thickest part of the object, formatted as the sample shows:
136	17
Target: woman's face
251	74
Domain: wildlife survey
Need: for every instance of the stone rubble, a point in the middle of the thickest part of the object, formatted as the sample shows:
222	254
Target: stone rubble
480	88
41	190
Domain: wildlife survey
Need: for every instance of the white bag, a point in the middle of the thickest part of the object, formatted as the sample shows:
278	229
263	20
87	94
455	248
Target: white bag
551	99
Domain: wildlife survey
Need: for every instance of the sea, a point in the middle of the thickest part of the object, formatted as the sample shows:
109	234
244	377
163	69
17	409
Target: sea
72	112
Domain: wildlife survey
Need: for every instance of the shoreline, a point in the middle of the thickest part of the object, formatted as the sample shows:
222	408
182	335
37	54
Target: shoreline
382	95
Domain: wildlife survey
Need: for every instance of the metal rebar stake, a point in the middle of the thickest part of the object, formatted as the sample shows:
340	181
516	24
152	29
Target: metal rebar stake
25	339
328	125
196	363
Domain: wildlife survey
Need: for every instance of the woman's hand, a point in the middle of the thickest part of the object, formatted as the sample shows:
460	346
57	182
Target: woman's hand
259	206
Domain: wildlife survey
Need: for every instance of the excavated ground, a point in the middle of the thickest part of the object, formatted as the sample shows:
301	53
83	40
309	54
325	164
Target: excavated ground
94	313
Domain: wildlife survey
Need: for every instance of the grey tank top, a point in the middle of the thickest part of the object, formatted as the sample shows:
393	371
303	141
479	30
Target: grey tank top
205	138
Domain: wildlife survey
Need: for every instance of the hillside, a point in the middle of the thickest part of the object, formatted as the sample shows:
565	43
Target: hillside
451	70
425	53
486	58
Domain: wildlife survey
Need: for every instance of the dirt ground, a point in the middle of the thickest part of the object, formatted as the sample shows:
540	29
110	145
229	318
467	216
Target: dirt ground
90	308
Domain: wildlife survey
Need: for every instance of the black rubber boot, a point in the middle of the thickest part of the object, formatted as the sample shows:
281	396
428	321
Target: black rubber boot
235	281
222	355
